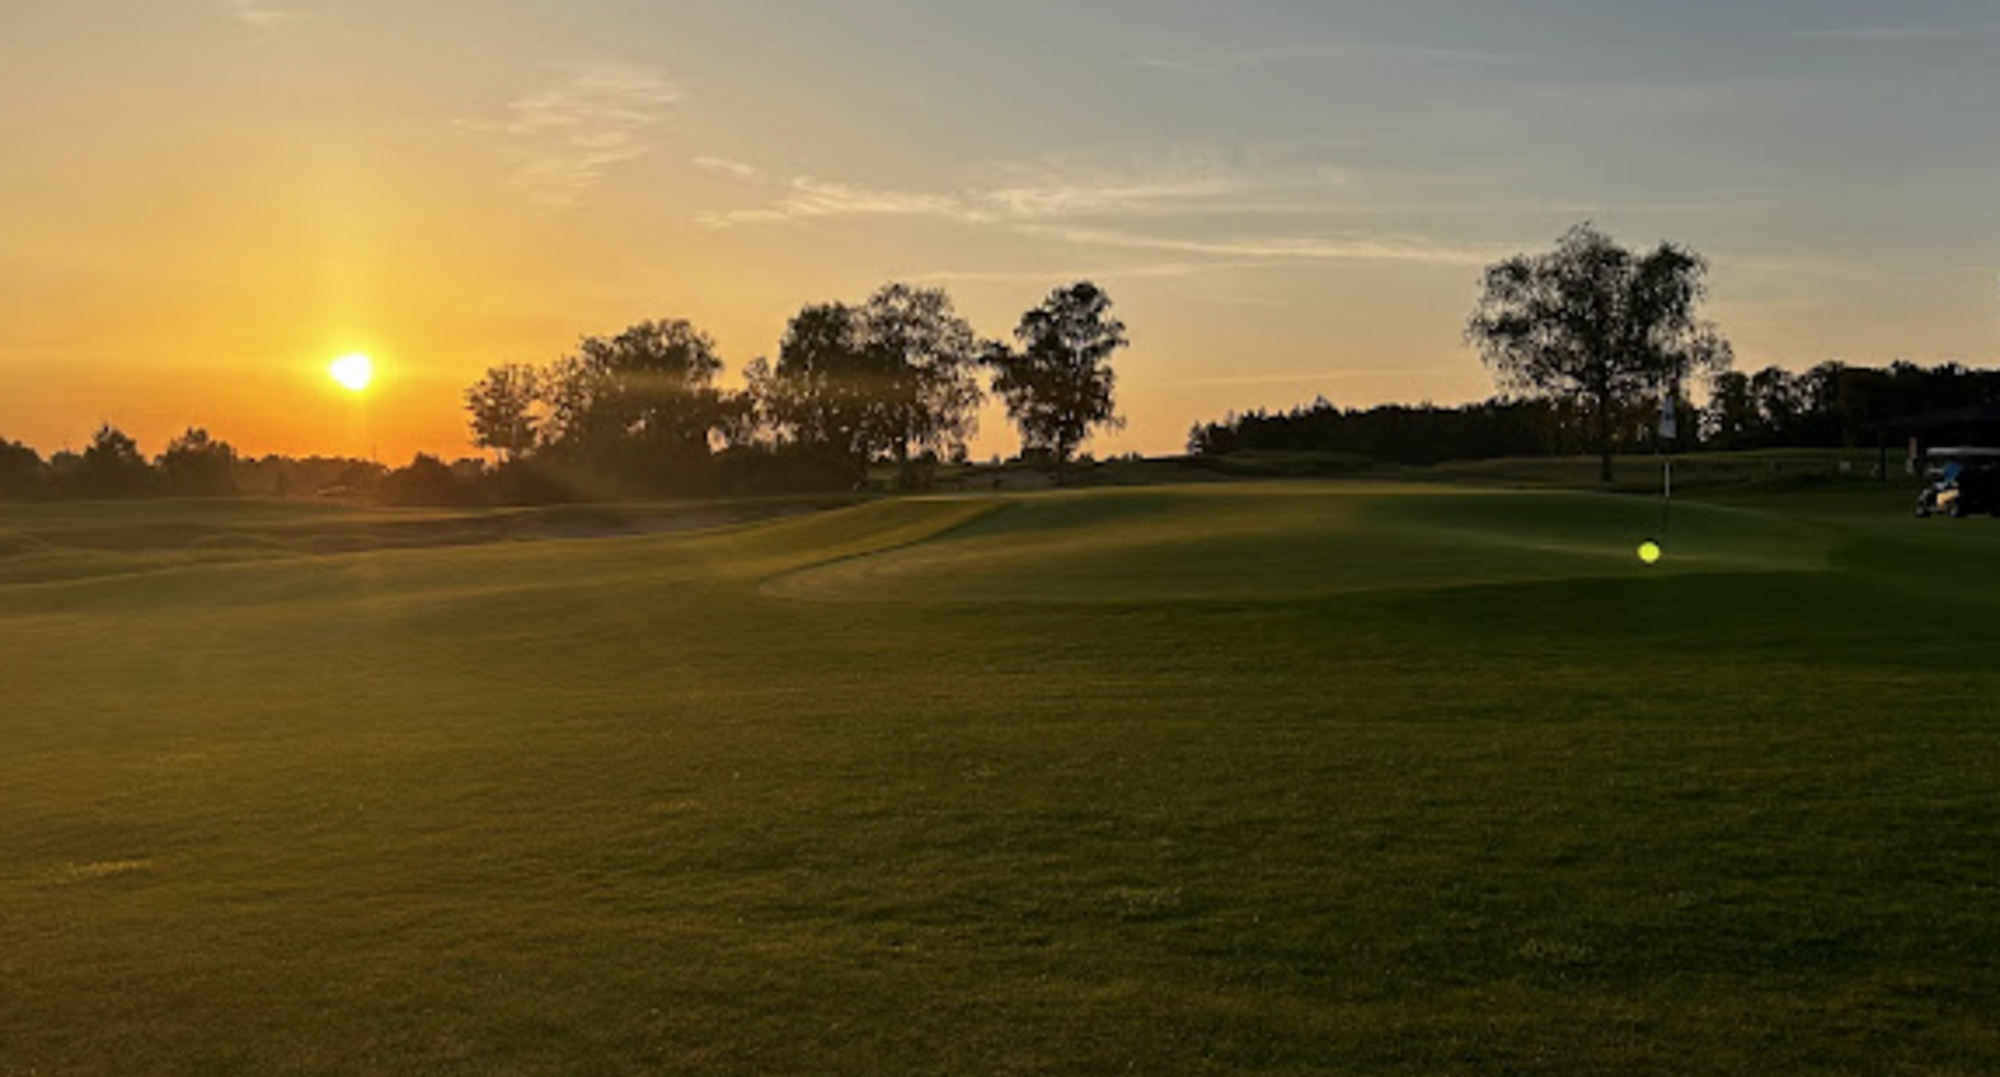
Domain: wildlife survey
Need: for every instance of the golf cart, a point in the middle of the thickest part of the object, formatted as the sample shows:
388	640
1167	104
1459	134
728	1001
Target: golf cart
1964	482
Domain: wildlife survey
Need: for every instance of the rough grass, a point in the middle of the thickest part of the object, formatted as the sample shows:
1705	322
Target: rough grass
1284	780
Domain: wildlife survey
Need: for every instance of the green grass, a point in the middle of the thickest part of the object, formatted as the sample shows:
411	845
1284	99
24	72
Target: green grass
1265	542
1766	470
1267	778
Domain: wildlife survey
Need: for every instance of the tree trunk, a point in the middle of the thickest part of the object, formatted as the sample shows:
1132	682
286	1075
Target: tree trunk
1604	439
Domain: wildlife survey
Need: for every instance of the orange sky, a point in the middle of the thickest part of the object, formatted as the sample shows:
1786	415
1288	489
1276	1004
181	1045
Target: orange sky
204	202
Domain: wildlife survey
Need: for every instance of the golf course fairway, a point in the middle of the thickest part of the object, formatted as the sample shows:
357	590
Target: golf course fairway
1262	778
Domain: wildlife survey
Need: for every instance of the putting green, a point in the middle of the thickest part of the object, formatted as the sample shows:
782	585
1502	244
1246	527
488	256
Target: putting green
1279	541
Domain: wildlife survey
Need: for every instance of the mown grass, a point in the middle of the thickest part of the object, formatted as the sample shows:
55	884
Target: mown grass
1762	470
1282	779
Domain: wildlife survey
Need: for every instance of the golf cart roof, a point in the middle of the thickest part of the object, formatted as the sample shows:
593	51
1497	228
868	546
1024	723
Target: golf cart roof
1963	452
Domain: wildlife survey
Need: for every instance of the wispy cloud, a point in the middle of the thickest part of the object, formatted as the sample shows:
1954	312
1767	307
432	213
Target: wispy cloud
727	167
807	198
1223	63
1066	192
1115	198
1098	272
1108	213
257	13
1029	194
1304	248
568	134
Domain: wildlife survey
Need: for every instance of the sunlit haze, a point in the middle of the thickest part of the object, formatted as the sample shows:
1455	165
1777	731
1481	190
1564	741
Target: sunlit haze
203	202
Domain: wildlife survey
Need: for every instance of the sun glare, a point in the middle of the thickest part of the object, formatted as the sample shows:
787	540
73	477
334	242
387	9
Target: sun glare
353	372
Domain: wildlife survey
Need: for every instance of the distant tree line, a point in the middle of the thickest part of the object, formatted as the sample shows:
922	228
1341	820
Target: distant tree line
1393	433
1832	405
1589	343
893	382
1594	348
195	464
1585	341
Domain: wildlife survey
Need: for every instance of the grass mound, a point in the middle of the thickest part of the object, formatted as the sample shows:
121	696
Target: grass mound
1290	541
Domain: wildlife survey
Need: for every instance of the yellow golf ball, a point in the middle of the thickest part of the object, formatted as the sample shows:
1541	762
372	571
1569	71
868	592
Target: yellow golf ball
1650	552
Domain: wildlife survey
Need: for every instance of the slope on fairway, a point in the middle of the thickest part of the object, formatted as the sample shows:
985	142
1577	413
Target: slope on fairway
43	542
526	809
1270	540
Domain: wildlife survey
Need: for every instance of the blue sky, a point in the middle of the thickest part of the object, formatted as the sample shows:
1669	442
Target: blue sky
1285	198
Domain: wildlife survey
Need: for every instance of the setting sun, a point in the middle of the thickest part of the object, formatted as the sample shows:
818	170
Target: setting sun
353	372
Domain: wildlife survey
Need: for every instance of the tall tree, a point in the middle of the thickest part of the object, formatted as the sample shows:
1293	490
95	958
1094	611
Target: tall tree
1781	404
641	405
1058	387
503	404
1593	323
197	465
22	473
926	355
833	392
112	466
1730	421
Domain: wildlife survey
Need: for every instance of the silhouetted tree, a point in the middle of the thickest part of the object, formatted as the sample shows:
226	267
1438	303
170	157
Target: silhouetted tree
926	389
1591	322
738	422
1395	433
22	473
832	394
1780	405
311	476
640	406
64	467
1731	421
112	466
893	377
427	480
1059	386
503	407
196	465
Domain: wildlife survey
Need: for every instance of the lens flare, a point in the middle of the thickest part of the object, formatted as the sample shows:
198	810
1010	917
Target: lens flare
1650	552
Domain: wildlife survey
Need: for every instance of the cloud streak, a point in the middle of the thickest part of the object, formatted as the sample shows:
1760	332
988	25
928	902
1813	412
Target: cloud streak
257	13
723	165
1281	249
1098	215
809	199
1099	272
1207	194
1224	63
1028	195
570	133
